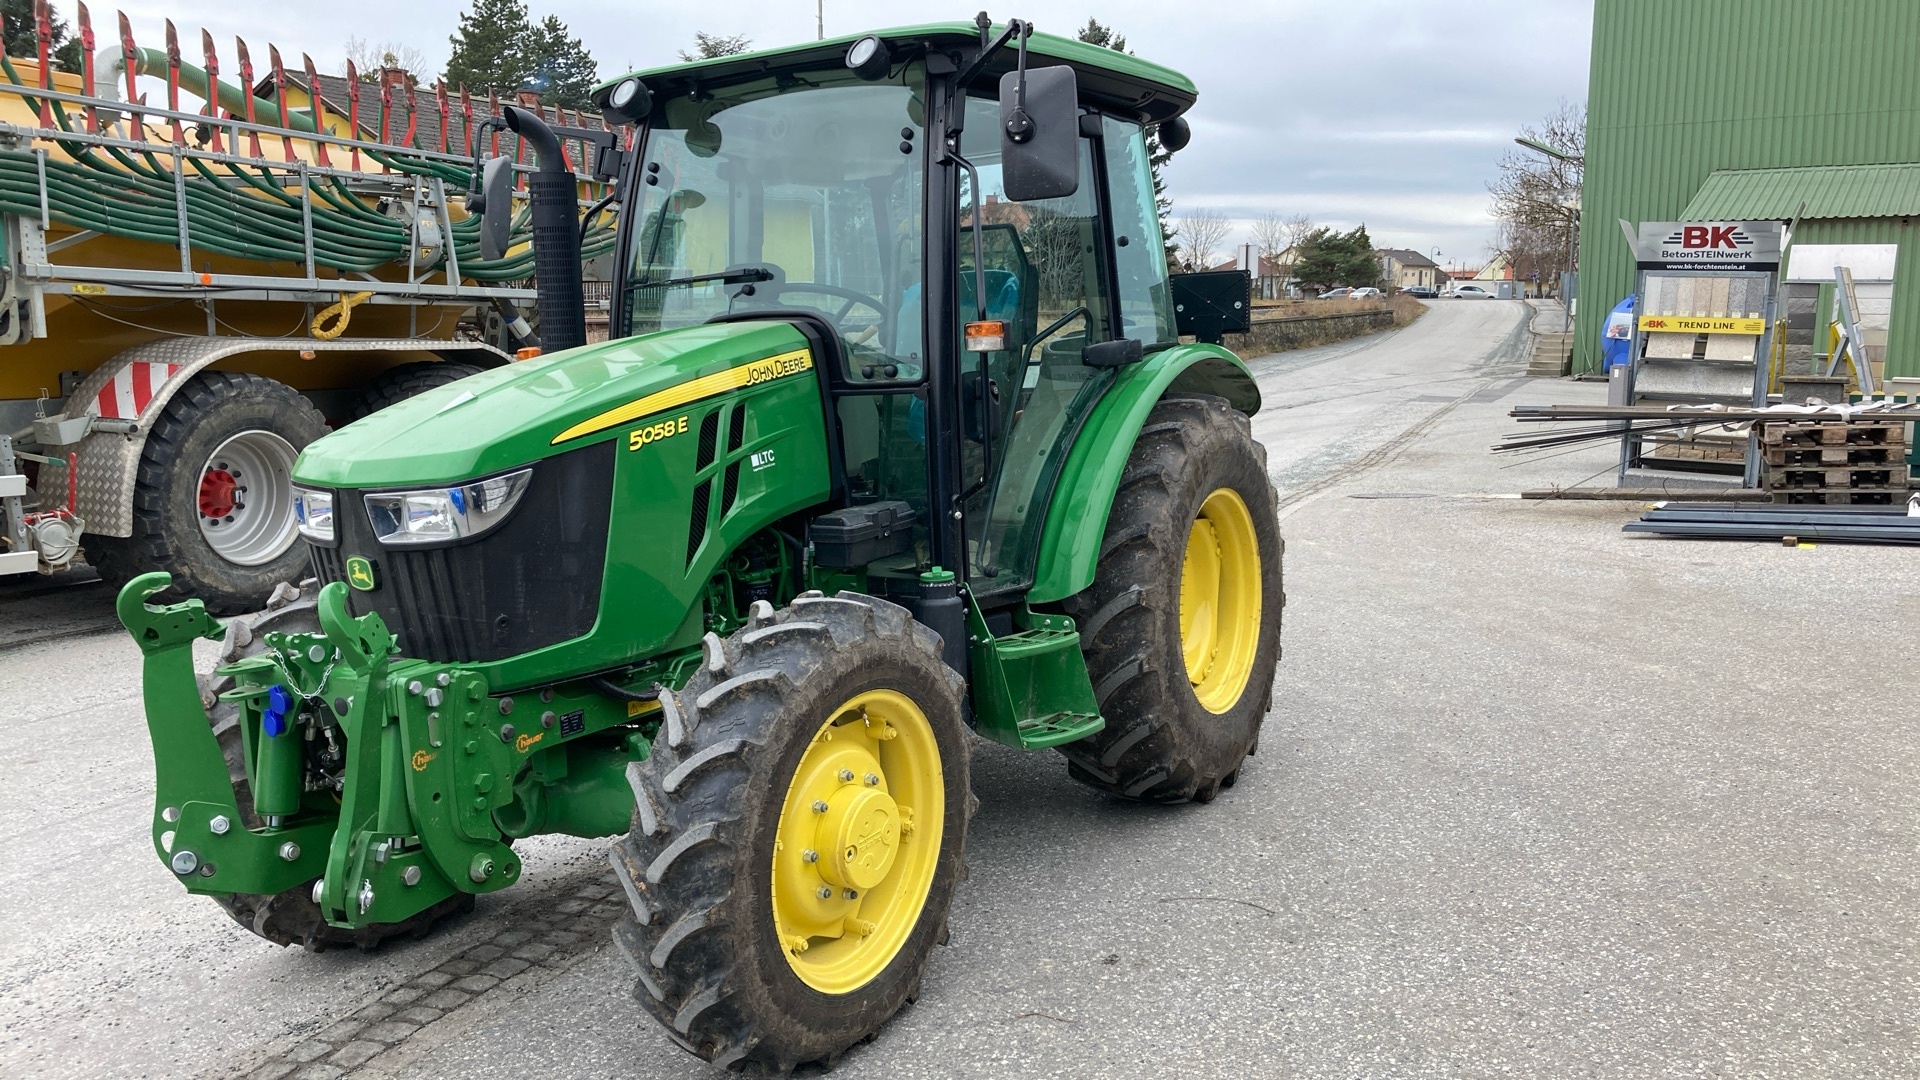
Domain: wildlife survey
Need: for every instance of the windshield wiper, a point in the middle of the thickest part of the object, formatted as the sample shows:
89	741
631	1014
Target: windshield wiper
738	276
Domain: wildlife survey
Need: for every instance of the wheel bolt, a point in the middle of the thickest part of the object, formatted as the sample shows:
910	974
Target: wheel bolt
809	855
826	892
819	806
846	776
872	780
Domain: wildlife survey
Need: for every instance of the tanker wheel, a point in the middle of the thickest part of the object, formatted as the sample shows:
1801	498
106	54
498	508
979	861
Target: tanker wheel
213	494
291	917
397	384
1181	626
797	834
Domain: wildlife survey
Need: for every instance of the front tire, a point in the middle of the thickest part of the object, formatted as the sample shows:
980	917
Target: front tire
797	834
1181	626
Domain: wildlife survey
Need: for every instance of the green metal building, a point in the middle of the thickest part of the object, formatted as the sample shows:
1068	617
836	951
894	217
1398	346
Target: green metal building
1755	110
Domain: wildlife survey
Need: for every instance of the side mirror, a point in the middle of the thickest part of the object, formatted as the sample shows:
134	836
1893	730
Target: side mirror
495	204
1040	136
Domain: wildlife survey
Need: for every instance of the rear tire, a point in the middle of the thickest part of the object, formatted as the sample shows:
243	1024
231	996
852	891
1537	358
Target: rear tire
226	533
291	917
1163	742
397	384
729	776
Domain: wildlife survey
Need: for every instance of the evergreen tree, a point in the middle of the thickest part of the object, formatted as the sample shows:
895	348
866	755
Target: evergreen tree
560	66
1099	33
708	46
1329	259
22	38
491	50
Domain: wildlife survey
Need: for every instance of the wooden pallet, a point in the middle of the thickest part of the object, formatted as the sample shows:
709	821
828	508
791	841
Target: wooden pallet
1873	433
1878	476
1836	497
1880	455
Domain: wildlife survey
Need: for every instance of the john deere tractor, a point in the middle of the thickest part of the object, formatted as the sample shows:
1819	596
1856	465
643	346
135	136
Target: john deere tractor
895	445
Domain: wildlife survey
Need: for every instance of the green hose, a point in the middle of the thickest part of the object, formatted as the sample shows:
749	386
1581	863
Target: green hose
248	213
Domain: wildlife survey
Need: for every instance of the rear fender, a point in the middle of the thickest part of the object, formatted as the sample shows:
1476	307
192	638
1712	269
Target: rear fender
1077	518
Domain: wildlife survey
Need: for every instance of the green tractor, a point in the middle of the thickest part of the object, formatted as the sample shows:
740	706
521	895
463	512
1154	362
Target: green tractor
895	443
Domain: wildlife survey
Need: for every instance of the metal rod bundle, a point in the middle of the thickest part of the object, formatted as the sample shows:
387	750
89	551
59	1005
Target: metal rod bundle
1771	521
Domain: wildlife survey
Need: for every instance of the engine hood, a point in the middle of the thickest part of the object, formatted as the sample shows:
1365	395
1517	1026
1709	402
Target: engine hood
513	415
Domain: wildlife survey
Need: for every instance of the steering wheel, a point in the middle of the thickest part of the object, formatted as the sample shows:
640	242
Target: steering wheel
853	299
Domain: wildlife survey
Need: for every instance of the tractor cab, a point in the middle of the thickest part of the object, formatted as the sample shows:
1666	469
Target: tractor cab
872	189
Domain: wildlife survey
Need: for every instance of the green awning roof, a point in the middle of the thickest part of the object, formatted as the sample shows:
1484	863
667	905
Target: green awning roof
1811	192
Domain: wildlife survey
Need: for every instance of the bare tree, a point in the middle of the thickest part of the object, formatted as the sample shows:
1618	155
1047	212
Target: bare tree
1270	235
1299	227
1200	233
1536	198
369	58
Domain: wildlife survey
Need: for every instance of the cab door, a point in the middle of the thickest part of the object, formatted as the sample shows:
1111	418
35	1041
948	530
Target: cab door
1050	277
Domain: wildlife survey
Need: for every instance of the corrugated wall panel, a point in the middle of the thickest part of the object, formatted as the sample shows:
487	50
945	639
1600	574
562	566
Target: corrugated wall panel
1680	88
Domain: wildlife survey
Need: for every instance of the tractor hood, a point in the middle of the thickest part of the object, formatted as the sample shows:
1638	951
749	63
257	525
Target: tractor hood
513	415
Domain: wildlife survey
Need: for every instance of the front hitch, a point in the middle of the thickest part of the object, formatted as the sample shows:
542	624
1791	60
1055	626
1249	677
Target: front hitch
198	830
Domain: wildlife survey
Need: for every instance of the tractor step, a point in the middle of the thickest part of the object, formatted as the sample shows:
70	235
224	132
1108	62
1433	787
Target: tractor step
1031	688
1066	727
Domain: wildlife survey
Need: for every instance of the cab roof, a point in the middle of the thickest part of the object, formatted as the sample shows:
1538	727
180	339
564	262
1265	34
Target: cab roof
1115	79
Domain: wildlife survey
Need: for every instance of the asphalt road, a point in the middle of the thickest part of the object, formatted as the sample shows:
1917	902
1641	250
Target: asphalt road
1537	798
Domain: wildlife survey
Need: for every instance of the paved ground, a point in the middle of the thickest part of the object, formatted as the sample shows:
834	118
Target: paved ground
1537	799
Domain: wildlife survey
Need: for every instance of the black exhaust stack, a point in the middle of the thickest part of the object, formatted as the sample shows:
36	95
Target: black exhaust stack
561	298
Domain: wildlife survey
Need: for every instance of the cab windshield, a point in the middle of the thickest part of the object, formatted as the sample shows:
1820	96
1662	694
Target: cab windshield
800	190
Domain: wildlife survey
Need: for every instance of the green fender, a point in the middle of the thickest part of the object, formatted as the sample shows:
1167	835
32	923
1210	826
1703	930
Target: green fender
1077	518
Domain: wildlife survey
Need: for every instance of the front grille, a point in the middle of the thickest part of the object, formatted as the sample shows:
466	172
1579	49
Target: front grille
530	582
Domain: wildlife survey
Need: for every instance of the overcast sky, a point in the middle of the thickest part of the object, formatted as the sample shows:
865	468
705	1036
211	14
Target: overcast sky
1348	111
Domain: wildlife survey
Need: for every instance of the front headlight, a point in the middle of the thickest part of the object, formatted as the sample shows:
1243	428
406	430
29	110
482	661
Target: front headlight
436	515
313	512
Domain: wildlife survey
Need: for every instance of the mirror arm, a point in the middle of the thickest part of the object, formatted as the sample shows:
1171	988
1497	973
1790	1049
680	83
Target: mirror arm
1019	124
491	123
972	71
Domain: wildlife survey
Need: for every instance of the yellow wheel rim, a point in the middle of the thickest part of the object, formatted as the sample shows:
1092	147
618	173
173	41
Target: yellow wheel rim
1220	600
859	834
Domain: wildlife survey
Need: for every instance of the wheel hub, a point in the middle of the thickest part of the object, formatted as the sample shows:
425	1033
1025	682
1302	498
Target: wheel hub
1220	600
858	836
217	493
245	498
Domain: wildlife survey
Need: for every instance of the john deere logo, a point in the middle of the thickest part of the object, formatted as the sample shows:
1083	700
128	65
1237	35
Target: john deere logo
360	573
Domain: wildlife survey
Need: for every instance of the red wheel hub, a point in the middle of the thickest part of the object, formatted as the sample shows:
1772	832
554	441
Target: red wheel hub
216	493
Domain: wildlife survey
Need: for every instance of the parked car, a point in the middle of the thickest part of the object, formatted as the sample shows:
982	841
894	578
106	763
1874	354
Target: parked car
1423	292
1336	294
1471	292
1365	293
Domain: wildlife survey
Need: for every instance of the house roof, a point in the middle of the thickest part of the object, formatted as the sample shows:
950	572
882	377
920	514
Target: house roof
1405	257
1814	191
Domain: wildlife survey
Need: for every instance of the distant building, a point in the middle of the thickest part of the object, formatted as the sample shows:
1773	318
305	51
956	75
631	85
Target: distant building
1402	268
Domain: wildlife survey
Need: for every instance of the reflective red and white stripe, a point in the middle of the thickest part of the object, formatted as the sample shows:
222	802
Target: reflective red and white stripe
132	389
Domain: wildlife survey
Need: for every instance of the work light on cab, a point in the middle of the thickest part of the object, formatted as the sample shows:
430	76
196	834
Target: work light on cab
437	515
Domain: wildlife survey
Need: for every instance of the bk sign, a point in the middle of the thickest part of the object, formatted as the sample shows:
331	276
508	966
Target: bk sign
1712	236
1737	245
